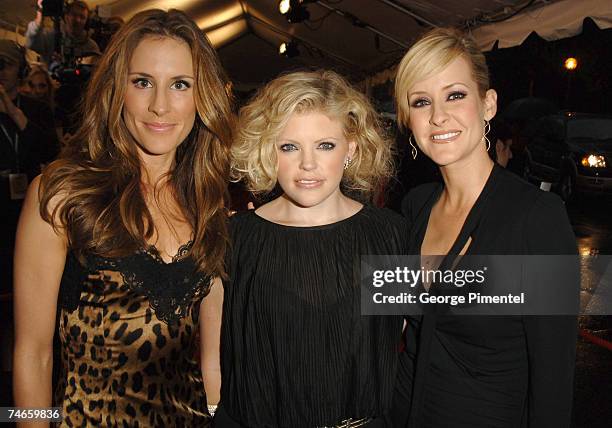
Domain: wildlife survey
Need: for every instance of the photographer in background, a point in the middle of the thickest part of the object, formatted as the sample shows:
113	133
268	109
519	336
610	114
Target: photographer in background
75	40
27	140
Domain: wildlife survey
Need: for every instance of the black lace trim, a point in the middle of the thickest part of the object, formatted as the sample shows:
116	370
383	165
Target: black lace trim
169	287
180	254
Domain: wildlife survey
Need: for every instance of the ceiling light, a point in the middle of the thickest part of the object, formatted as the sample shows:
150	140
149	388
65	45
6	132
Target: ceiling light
288	49
293	10
284	6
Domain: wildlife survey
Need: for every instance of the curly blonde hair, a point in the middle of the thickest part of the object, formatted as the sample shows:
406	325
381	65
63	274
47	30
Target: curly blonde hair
262	120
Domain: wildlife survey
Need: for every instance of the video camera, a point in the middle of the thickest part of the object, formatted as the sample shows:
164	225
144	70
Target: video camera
67	68
53	8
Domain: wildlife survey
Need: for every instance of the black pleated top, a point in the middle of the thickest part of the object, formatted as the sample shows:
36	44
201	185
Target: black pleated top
295	350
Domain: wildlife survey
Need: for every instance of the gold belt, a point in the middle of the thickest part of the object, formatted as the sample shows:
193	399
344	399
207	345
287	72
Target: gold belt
350	423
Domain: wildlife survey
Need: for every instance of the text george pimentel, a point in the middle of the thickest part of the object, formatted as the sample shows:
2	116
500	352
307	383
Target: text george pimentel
458	278
380	298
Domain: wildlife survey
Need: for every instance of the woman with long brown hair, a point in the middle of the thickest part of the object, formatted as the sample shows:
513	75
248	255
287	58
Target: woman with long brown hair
123	235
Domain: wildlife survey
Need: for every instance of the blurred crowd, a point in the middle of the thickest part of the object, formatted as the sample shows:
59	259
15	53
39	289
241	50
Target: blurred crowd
39	101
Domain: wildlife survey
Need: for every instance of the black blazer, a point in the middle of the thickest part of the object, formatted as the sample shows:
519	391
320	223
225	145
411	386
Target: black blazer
514	371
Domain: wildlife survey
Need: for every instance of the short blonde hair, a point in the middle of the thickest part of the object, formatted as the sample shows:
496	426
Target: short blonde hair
262	120
430	55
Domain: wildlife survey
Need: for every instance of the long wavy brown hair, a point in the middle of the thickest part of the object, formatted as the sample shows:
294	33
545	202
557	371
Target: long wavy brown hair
97	179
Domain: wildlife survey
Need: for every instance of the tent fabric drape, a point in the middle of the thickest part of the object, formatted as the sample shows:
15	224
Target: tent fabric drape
551	22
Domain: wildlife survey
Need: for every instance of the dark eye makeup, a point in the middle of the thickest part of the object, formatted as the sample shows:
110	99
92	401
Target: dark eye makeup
287	147
326	145
141	82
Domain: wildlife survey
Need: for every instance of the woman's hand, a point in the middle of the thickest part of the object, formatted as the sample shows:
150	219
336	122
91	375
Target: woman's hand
15	113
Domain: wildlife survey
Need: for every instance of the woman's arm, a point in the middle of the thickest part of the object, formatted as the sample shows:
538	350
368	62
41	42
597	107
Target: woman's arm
211	310
40	254
551	340
35	38
402	393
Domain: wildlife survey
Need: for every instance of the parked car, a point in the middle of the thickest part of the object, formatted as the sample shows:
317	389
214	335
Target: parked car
572	151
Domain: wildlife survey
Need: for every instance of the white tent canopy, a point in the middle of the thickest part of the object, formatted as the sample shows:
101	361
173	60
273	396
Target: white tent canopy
551	22
361	39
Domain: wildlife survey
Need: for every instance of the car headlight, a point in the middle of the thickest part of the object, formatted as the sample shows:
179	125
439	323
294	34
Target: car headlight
593	161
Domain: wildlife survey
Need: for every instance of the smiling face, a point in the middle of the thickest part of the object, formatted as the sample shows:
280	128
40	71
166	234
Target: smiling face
311	152
159	108
447	115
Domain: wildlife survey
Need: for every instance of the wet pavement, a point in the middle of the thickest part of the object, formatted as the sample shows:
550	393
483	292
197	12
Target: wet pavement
591	218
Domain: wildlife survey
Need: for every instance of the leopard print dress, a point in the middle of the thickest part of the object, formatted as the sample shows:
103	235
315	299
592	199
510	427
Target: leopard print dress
128	329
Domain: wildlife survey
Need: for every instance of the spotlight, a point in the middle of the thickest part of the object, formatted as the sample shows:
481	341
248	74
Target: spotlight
571	64
293	10
288	49
284	6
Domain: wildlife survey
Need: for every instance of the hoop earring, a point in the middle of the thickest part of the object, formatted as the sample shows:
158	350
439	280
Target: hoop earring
347	163
487	129
414	149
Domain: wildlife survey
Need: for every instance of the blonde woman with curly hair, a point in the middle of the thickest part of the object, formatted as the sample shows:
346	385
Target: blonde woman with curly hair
124	233
296	351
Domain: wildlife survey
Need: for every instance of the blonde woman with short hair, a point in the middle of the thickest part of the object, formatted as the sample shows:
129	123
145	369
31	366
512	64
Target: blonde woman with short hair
477	371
